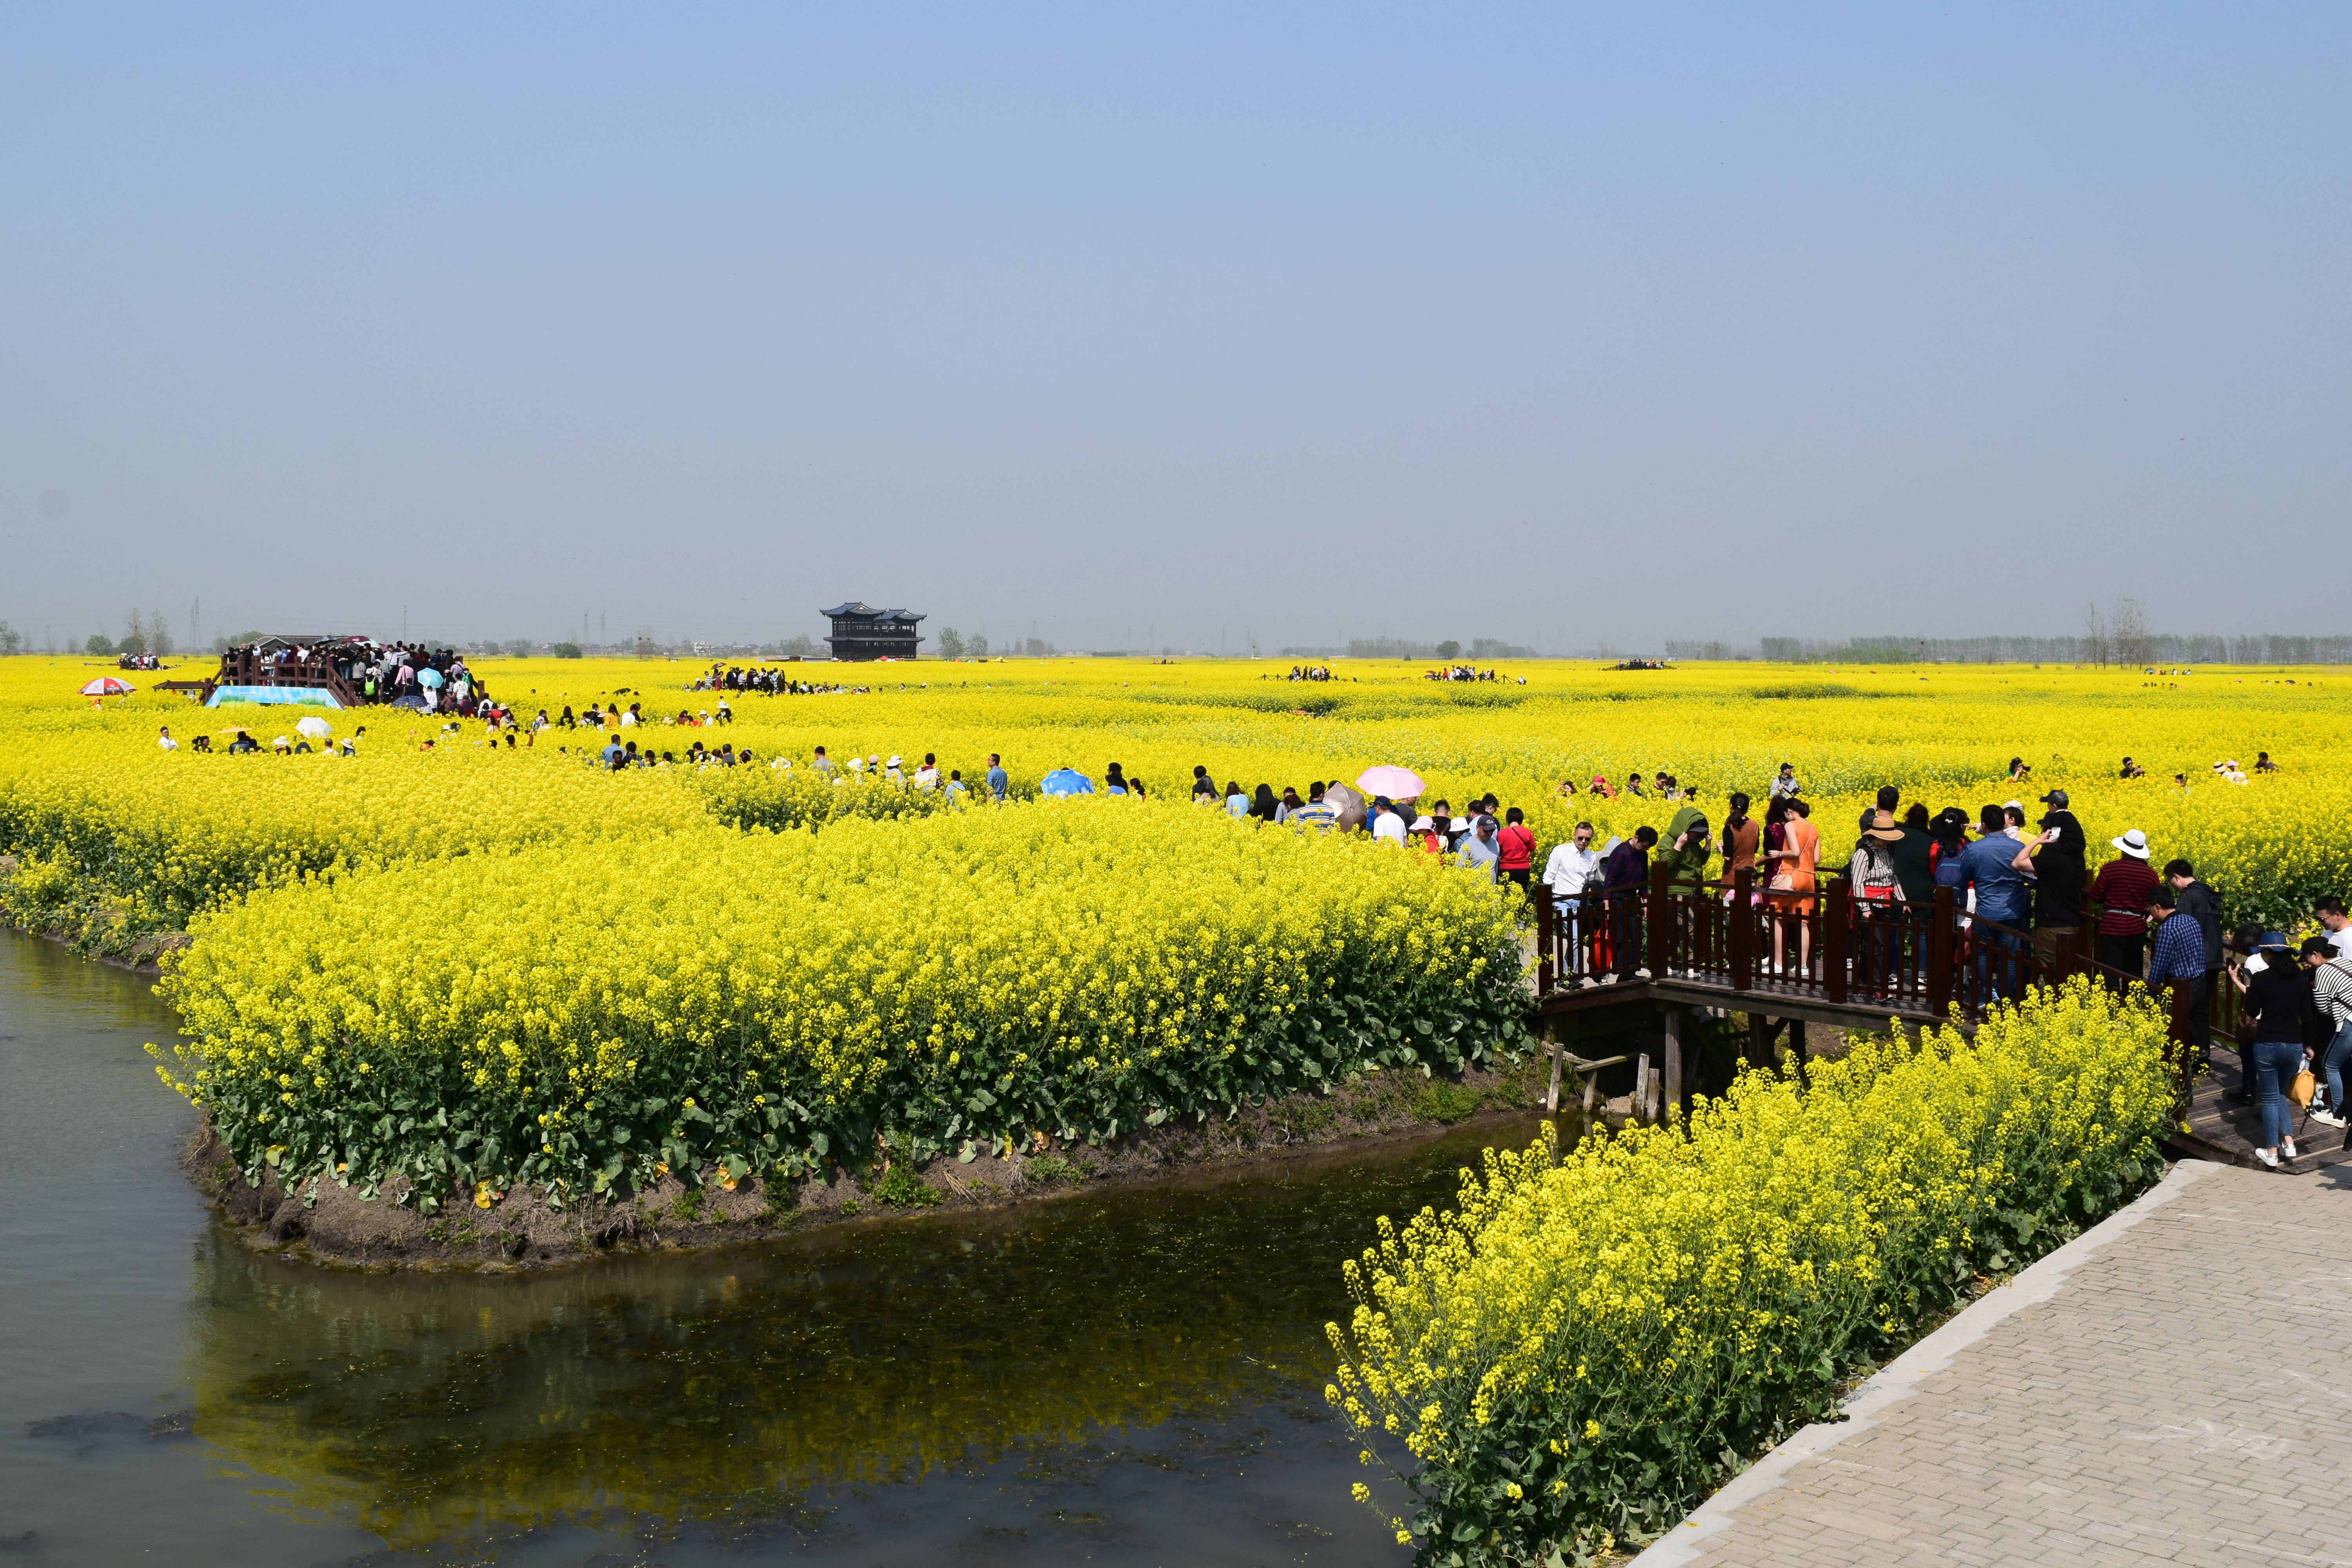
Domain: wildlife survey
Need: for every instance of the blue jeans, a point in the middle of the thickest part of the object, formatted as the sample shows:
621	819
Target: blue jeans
2276	1063
2332	1067
1564	921
1997	952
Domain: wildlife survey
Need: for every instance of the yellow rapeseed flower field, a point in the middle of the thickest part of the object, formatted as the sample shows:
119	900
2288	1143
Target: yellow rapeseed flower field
1593	1342
1945	734
466	961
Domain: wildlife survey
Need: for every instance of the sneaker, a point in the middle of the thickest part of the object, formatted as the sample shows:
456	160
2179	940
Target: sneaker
2268	1157
2286	1150
2327	1119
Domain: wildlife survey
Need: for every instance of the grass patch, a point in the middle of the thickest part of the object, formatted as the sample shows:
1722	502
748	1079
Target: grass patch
902	1189
1053	1171
1449	1102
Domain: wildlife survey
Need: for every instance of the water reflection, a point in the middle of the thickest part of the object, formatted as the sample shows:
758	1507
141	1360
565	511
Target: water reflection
741	1392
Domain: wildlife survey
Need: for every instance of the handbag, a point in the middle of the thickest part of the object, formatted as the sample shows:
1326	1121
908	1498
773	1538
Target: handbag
2305	1085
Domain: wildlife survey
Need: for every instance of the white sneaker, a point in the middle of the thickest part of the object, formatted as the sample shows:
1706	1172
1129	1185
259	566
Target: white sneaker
2286	1150
2267	1157
2327	1119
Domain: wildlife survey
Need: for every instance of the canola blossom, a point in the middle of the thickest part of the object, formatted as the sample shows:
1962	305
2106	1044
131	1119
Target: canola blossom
578	1016
1595	1340
86	791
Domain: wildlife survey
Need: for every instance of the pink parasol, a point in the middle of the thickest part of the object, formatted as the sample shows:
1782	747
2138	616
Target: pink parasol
1397	783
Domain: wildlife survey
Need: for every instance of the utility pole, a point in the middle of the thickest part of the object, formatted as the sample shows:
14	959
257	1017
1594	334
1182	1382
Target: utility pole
197	624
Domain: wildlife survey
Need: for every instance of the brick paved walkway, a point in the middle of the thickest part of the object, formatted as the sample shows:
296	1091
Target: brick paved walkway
2181	1396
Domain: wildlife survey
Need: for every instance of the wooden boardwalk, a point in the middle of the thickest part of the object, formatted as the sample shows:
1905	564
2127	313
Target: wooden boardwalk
2222	1129
1657	994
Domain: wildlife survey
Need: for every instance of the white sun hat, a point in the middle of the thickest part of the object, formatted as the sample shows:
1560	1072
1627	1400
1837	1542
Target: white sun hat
2133	843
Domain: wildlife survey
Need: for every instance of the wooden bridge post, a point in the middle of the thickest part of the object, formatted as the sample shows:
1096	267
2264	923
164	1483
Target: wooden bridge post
1742	915
1940	933
1670	1096
1837	919
1545	928
1661	914
1551	1095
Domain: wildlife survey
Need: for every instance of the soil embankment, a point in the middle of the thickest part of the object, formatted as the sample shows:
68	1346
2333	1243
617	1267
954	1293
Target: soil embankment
334	1225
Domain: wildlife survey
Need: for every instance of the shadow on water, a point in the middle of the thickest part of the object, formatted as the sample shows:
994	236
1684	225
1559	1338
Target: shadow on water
1124	1376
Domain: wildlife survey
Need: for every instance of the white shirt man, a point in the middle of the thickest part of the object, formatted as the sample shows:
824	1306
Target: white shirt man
165	741
1388	828
2339	929
1573	865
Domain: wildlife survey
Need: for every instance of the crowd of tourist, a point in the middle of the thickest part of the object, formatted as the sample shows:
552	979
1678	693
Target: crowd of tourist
777	682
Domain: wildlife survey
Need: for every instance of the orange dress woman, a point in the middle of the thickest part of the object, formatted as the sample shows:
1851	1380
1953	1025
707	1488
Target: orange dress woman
1792	884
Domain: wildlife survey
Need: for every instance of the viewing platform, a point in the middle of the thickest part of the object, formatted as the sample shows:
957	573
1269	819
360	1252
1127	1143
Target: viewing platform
1654	996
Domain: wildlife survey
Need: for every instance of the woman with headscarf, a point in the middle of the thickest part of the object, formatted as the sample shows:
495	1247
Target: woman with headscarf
1684	850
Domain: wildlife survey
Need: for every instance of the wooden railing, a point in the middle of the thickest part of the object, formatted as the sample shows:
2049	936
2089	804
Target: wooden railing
255	669
1826	946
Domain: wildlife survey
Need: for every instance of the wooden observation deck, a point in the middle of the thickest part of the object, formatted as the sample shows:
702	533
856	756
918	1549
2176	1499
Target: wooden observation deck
1662	994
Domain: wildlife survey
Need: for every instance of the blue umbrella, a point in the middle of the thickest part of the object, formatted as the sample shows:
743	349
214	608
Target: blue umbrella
428	678
1066	780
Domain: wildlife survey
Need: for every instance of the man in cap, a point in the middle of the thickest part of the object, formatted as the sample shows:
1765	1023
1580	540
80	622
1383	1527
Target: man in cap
1480	852
2124	887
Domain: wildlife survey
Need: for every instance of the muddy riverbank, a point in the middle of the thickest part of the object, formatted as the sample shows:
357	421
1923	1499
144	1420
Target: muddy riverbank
1383	1115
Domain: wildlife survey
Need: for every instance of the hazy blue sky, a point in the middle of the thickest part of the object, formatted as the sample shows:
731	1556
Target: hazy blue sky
1557	323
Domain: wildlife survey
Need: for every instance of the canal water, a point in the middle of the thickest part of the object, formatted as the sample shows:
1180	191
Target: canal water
1119	1377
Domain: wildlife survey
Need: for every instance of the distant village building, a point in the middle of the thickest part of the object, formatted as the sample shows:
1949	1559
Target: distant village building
861	631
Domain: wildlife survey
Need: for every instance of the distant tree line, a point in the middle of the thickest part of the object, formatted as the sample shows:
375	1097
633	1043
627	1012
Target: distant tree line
1408	648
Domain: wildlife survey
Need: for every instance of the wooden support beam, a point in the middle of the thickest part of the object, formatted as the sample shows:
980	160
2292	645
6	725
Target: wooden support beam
1742	917
1551	1095
1671	1089
1660	916
1837	933
1545	972
1942	931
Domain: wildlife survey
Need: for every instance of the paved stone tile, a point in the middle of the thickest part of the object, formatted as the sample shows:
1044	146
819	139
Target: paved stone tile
2182	1400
